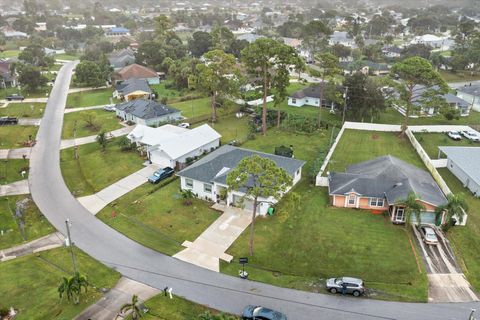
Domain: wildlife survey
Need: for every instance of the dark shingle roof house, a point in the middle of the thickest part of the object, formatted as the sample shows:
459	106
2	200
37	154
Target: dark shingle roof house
311	92
145	109
387	177
215	166
131	85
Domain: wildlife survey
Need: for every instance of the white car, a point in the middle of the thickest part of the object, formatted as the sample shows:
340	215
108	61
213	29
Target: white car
185	125
109	108
428	235
455	135
470	135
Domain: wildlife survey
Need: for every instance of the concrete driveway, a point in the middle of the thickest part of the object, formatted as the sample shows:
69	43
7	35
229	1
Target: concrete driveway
207	250
446	282
99	200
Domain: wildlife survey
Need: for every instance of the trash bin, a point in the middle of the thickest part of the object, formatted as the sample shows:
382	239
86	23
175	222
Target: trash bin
271	211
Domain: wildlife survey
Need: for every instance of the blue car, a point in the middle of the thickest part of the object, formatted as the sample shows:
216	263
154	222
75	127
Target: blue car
261	313
160	174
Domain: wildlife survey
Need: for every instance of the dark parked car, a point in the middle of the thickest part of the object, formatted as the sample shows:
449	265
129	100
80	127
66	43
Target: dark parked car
15	97
352	285
8	121
261	313
160	174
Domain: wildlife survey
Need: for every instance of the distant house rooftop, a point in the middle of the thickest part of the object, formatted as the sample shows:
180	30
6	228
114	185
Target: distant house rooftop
131	85
136	71
145	109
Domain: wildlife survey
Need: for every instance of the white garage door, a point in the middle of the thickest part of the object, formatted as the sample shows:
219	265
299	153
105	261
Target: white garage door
247	203
159	160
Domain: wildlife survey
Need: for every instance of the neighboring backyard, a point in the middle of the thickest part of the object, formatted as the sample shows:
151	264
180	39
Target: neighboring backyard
35	224
23	110
89	98
392	116
29	284
11	170
155	216
95	169
321	241
431	141
89	123
466	240
16	136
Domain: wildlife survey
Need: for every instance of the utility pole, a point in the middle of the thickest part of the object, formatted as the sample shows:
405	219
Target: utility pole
70	244
344	105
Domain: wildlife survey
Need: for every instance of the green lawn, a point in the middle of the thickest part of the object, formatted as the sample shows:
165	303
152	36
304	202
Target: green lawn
157	218
466	240
105	121
35	223
89	98
94	169
11	169
431	141
459	76
14	136
23	110
357	146
194	108
392	116
230	127
161	307
162	91
30	284
39	93
322	241
65	56
9	54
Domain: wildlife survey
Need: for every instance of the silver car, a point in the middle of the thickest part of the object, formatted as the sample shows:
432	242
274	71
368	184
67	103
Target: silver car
352	286
470	135
428	235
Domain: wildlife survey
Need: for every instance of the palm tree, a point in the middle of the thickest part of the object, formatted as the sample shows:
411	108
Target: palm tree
132	307
412	207
72	287
455	207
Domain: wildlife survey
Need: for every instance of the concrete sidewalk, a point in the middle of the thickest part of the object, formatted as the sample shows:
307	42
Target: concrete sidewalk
29	122
70	110
27	100
74	90
15	153
207	250
96	202
90	139
108	307
15	188
48	242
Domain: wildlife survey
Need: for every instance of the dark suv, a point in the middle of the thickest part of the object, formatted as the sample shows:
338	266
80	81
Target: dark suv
16	97
160	174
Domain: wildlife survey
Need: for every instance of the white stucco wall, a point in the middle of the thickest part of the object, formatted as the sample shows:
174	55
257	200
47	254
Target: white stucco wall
463	177
314	102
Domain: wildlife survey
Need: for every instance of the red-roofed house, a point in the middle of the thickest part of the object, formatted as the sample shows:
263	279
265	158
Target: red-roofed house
136	71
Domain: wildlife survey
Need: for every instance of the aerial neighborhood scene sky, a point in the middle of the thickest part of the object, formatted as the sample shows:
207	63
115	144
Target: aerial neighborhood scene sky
240	160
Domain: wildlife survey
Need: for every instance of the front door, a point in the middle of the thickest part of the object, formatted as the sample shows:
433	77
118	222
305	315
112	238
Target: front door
399	215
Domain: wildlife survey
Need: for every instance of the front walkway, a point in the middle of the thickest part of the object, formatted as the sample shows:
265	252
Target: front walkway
51	241
90	139
207	250
96	202
70	110
108	307
15	188
29	122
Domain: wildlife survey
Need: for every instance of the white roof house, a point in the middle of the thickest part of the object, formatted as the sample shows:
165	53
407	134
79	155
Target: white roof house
464	163
173	146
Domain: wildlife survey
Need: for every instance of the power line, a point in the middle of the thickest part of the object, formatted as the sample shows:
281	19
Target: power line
248	292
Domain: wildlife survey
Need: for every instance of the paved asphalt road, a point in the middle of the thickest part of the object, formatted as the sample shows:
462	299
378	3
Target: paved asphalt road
216	290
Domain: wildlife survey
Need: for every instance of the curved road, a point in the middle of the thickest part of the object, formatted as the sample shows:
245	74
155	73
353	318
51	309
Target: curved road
137	262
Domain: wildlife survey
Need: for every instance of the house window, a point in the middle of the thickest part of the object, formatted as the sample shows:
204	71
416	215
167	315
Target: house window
189	183
294	100
400	215
376	202
306	101
207	187
352	199
298	172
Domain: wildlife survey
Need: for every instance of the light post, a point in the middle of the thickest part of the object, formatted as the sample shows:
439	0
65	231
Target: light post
70	244
344	104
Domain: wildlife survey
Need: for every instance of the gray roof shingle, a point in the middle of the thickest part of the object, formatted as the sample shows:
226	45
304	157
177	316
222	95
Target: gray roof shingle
387	176
131	85
215	166
467	158
145	109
